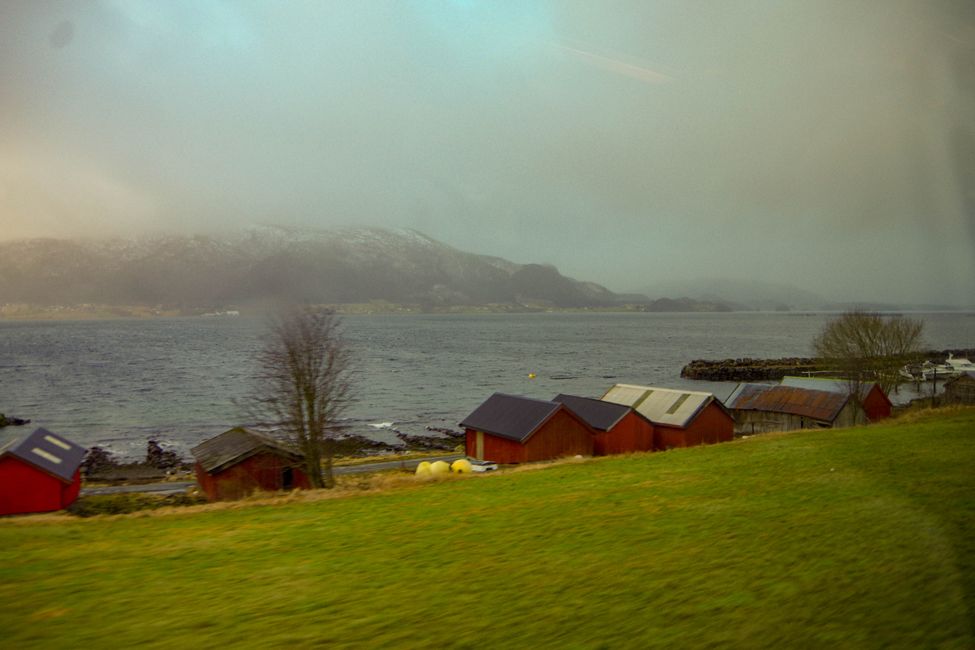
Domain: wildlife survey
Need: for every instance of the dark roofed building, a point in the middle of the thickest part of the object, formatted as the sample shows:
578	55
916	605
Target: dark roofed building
760	408
514	429
875	402
240	461
39	472
618	429
681	418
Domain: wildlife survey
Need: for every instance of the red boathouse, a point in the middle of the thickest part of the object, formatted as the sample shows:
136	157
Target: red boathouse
241	461
681	418
39	472
512	429
618	429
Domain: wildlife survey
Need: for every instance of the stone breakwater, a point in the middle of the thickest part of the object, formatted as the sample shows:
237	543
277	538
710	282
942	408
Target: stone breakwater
771	369
750	369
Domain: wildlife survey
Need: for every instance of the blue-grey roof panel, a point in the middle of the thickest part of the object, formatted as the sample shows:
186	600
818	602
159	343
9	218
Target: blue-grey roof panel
598	414
48	452
510	416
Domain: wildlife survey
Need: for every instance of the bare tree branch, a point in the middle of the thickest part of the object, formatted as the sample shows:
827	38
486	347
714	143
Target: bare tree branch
866	347
303	385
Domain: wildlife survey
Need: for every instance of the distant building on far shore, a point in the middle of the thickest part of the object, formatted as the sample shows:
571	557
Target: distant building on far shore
241	461
39	472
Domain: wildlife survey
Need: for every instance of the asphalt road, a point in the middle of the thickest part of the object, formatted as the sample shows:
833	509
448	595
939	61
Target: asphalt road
175	487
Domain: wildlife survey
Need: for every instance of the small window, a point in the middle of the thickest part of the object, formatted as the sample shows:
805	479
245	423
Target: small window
60	443
676	405
46	455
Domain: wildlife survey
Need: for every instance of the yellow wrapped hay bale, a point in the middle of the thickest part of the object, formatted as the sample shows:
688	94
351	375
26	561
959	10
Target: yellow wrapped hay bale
439	468
461	466
423	470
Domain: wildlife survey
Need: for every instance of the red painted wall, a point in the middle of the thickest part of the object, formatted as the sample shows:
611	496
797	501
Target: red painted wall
876	405
710	426
563	435
632	433
259	472
24	488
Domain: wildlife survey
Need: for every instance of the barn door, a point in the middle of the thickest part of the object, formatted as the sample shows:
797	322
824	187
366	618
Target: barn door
479	446
287	478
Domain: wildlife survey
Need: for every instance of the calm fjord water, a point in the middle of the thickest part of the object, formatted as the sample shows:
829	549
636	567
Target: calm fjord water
116	383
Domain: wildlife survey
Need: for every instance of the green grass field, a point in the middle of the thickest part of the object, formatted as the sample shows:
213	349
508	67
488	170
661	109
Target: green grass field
853	538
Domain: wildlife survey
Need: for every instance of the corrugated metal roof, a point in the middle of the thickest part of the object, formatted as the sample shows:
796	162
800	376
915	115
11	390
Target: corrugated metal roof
675	408
511	416
818	383
745	390
816	404
598	414
237	444
833	385
47	452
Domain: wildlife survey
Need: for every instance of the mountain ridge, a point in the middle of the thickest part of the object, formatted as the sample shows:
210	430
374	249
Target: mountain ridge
271	263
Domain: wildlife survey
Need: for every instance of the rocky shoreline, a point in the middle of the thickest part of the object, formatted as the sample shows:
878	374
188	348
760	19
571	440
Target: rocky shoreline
747	369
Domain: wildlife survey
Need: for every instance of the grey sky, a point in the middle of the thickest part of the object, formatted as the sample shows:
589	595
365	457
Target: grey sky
829	144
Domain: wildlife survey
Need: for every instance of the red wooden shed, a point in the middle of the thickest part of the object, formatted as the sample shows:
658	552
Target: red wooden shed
513	429
619	429
681	418
39	472
876	404
241	461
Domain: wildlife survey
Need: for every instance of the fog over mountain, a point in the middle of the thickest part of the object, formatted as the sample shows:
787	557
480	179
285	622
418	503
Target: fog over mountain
829	145
260	266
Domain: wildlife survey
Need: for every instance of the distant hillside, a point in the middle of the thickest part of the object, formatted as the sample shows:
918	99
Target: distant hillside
740	294
343	266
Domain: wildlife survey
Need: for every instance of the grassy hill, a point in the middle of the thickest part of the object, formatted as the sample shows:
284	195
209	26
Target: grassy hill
859	538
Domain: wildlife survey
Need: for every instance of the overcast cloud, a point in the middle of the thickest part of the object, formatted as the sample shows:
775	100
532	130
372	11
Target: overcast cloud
828	144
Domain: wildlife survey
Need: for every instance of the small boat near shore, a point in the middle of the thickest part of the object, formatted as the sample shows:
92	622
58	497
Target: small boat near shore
929	371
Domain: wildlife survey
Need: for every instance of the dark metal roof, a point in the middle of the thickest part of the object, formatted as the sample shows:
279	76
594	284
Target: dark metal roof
236	445
815	404
598	414
511	416
833	385
47	452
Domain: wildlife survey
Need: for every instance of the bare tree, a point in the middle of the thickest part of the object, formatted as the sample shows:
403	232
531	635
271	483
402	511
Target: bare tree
866	347
304	385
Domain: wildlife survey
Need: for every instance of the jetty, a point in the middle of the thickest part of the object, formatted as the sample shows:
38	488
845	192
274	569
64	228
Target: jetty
748	369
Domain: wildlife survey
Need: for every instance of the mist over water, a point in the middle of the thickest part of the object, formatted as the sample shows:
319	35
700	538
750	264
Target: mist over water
116	383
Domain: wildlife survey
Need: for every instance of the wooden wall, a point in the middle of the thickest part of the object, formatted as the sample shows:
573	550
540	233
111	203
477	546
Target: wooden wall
711	425
259	472
24	489
632	433
563	435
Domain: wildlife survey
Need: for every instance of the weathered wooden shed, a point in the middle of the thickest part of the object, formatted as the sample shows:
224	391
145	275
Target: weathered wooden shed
961	389
39	472
760	408
618	429
240	461
515	429
681	418
875	402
